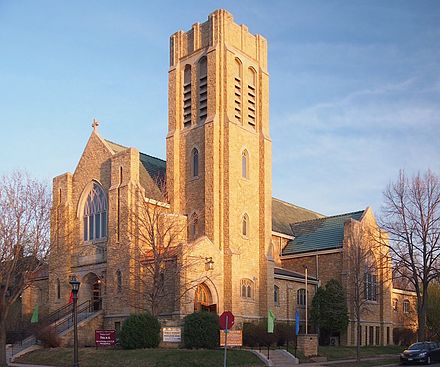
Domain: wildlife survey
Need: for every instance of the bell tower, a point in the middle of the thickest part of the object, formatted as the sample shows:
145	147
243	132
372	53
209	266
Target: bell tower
219	164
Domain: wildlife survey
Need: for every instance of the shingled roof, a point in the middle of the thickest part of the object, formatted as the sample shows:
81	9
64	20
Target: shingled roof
319	234
284	214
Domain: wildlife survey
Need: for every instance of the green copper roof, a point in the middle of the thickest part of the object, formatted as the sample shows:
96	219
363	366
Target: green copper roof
319	234
284	214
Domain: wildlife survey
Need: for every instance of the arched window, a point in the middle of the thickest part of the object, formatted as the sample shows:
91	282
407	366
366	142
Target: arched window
193	226
245	164
95	214
245	225
195	163
252	93
405	306
247	288
370	286
237	90
203	89
276	294
187	112
119	280
301	297
395	304
58	289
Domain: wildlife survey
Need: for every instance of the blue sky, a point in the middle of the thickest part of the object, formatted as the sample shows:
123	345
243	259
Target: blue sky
355	87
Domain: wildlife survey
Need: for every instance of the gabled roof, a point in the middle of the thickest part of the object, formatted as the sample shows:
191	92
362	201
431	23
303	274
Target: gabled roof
152	171
319	234
284	214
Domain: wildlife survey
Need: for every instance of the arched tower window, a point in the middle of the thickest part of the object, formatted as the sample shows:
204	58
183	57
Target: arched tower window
247	288
237	90
301	297
252	82
187	113
194	162
95	214
58	289
245	225
203	89
119	280
245	164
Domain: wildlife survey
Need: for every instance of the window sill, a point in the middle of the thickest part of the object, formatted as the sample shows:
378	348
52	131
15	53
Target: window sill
95	242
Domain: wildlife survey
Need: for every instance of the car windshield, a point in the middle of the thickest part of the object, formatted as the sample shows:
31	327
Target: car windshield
417	346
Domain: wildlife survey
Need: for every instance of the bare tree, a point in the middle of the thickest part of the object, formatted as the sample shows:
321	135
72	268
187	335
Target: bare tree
162	265
24	240
368	269
411	216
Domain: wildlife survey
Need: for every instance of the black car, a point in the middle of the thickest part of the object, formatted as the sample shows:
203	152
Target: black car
422	352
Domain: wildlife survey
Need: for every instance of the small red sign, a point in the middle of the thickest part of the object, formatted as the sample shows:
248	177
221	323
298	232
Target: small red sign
227	315
105	338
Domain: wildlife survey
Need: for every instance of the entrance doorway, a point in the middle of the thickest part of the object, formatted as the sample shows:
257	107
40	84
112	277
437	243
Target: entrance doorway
92	291
203	299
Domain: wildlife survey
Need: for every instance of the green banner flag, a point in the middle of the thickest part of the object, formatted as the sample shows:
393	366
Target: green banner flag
270	321
34	318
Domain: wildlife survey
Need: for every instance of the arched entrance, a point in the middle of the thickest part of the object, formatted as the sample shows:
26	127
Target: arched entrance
203	299
92	290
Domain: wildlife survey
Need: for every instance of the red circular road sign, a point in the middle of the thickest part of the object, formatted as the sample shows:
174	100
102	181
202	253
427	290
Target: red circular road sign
226	315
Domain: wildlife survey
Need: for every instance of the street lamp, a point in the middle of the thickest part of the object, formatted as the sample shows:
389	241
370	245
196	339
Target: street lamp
75	288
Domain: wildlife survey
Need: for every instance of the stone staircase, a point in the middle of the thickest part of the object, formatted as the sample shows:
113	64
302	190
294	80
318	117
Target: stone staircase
279	358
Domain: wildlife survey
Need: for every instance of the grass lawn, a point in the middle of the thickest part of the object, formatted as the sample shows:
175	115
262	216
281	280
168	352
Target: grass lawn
90	357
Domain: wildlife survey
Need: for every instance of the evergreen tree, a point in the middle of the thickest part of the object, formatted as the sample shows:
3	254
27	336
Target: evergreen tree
329	310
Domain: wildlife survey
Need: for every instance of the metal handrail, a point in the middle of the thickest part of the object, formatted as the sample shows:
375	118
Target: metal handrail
83	309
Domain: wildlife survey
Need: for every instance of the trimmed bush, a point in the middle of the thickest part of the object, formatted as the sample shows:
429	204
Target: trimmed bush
201	330
140	331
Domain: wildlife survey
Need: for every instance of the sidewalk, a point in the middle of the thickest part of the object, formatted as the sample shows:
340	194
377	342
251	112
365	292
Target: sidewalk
329	363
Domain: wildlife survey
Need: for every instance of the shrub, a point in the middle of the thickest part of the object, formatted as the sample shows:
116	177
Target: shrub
201	330
284	332
403	336
140	331
256	334
48	336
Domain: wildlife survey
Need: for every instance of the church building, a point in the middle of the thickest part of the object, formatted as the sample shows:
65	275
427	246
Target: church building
203	224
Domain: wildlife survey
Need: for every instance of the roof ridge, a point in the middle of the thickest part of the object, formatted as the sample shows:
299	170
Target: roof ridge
148	155
109	141
330	217
296	206
123	146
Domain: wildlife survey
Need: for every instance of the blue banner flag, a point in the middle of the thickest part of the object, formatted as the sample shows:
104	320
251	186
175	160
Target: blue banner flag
296	322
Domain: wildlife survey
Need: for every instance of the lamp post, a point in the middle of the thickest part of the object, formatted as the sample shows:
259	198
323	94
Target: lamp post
75	288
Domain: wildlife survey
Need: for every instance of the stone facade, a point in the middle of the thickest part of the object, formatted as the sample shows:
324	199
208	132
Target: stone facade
216	188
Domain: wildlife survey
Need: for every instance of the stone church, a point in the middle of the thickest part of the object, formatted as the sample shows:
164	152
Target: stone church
236	247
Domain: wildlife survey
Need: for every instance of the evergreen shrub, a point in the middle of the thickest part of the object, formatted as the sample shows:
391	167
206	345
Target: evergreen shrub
201	330
140	331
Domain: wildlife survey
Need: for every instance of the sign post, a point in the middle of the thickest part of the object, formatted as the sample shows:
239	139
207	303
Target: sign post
226	322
